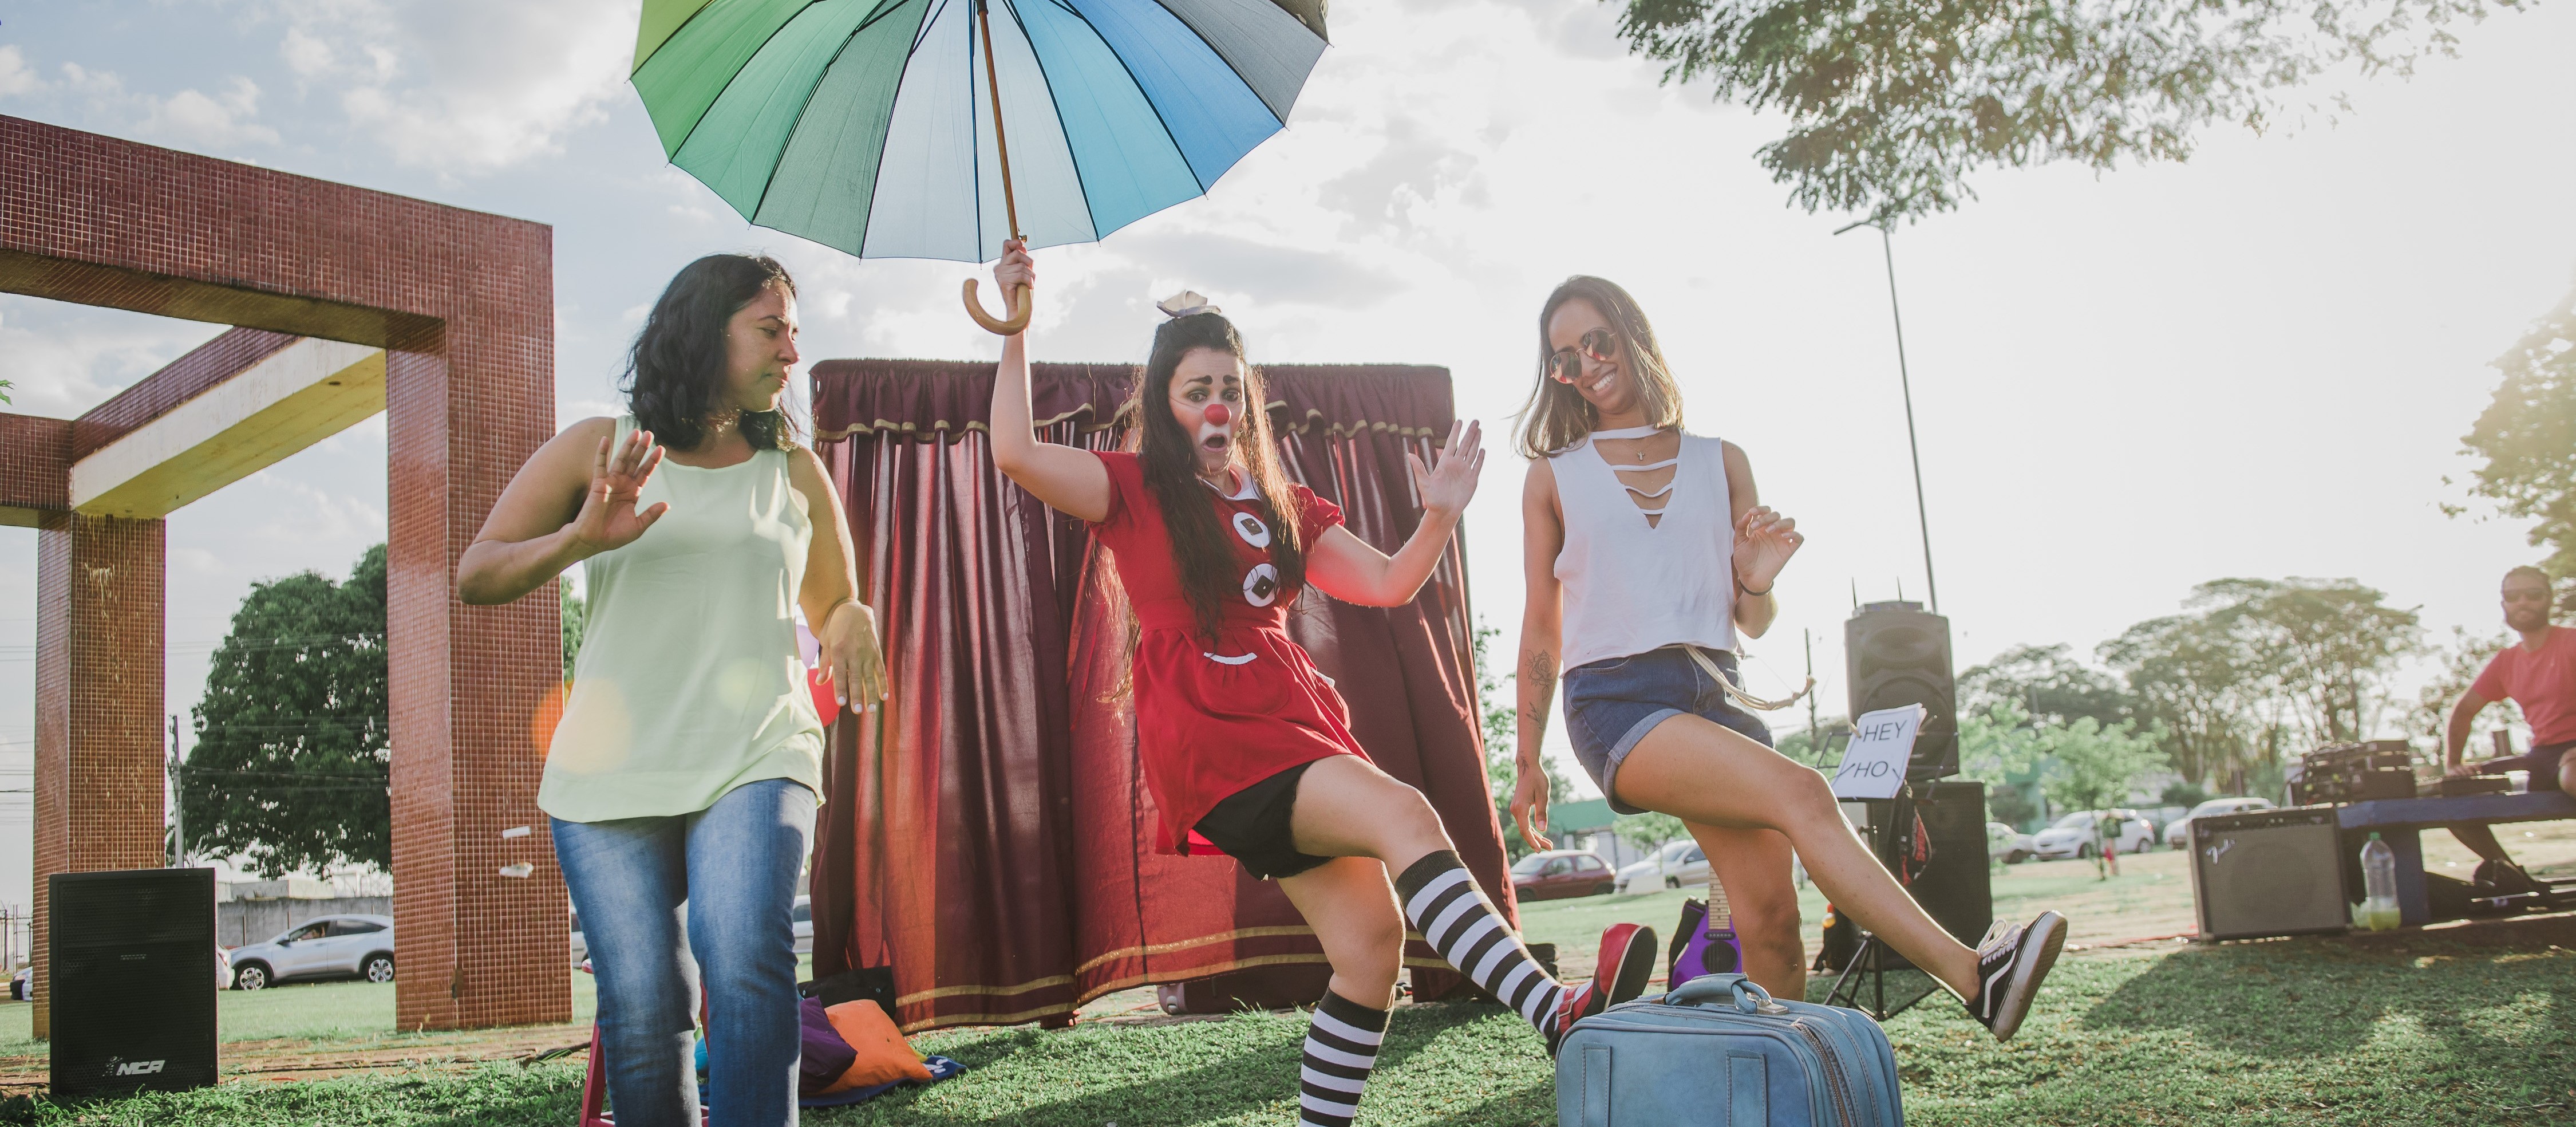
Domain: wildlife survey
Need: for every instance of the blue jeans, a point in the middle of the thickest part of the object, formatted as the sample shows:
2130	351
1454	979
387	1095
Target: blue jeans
732	867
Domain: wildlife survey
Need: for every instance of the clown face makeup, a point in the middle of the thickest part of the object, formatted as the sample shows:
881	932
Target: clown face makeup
1207	400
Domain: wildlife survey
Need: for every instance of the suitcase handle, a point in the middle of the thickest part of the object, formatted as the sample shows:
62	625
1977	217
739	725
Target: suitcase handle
1749	995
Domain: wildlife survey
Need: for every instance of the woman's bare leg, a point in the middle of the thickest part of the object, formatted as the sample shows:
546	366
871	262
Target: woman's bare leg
1351	905
1753	865
1707	775
1346	807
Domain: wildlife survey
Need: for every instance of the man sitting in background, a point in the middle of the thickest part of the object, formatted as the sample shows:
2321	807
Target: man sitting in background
2539	675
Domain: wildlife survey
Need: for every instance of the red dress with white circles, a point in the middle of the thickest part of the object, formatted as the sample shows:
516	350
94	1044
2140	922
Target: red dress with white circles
1214	719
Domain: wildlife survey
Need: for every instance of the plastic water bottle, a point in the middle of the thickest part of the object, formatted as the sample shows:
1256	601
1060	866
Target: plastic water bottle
2379	884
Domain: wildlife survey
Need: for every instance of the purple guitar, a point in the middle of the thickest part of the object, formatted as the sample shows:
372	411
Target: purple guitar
1705	942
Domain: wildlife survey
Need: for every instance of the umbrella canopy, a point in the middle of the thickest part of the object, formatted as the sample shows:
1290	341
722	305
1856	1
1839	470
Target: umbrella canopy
867	125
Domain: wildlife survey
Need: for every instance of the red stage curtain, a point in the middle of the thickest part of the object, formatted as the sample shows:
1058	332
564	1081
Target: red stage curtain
988	833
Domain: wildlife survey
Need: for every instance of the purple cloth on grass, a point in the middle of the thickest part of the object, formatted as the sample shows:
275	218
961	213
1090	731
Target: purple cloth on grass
827	1056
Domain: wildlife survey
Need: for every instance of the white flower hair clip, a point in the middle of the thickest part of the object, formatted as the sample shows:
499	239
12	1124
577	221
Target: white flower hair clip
1185	303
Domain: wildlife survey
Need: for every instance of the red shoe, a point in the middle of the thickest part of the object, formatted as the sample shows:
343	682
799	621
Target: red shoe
1627	961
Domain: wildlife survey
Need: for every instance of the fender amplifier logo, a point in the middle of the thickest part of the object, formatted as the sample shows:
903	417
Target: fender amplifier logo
135	1067
2220	850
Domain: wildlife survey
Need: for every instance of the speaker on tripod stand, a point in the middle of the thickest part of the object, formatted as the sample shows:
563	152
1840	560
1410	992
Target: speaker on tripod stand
1932	835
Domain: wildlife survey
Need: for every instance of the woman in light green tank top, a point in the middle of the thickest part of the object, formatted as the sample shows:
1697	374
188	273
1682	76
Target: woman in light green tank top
682	779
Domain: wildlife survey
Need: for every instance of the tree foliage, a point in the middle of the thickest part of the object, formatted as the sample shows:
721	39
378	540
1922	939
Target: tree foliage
2189	674
2046	682
576	618
1998	744
2527	435
2095	766
1890	106
290	767
2254	663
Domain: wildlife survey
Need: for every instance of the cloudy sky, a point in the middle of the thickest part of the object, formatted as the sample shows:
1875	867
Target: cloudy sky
2258	363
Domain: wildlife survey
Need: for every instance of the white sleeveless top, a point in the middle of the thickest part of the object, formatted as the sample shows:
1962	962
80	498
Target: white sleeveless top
1631	587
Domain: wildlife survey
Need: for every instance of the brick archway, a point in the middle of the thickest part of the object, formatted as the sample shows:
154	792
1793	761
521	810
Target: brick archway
453	315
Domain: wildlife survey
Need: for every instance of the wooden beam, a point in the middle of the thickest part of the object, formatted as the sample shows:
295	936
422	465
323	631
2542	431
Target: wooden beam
298	396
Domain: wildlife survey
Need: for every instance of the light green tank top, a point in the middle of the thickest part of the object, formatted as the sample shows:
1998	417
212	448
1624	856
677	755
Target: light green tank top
688	683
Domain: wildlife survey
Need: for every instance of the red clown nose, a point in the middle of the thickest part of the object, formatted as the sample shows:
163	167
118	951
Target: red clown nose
1218	414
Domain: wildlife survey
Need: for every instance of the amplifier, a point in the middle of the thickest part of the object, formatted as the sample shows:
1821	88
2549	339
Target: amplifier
2359	772
131	963
2268	872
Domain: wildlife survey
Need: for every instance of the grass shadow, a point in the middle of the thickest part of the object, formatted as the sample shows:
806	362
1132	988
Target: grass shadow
1242	1069
2310	998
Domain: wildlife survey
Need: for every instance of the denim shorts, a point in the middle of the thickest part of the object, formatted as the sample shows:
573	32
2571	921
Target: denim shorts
1612	704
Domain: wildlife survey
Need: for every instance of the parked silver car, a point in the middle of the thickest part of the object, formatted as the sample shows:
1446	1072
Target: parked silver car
328	947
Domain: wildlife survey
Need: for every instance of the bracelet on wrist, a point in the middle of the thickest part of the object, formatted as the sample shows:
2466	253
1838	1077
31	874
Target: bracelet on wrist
1741	586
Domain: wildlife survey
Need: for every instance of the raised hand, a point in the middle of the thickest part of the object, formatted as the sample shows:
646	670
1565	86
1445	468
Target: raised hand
1446	488
1764	541
1015	267
851	655
608	520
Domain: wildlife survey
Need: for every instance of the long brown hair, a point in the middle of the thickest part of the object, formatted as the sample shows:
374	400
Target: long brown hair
1202	548
1557	416
678	363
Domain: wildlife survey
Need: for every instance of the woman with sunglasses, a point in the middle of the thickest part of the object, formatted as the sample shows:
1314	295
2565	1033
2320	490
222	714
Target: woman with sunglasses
1646	551
1246	748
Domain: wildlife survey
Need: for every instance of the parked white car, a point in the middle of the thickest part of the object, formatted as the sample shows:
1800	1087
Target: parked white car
2178	832
1676	864
2008	845
329	947
2073	835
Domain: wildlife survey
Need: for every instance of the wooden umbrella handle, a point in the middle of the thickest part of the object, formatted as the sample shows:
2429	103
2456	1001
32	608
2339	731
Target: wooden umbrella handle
1019	311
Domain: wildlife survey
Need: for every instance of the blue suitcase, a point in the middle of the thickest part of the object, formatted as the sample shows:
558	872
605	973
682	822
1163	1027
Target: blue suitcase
1719	1052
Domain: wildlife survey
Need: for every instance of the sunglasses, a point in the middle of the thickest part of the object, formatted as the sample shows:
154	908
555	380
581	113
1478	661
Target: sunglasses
1566	363
2526	596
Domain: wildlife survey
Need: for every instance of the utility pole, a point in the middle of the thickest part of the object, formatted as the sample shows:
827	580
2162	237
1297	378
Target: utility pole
1905	383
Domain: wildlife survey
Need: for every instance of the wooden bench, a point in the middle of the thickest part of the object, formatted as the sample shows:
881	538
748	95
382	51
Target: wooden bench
2400	821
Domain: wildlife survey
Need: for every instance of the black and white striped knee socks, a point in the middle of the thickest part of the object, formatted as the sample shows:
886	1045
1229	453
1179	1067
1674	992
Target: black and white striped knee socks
1444	903
1341	1048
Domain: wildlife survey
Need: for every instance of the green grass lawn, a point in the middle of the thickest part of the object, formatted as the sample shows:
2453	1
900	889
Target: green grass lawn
2299	1032
322	1012
2312	1033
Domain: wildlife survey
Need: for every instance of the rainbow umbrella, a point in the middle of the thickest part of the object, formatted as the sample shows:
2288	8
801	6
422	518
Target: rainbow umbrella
862	124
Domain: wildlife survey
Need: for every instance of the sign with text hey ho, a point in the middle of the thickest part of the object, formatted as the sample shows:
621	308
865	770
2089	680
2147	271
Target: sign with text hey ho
1874	762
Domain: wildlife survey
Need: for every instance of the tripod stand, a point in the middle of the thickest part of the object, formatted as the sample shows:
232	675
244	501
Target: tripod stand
1891	822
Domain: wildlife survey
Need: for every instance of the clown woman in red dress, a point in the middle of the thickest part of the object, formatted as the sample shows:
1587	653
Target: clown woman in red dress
1248	749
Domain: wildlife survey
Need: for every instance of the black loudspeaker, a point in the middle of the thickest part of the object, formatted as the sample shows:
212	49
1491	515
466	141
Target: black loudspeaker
1955	881
1957	884
2268	872
132	993
1896	654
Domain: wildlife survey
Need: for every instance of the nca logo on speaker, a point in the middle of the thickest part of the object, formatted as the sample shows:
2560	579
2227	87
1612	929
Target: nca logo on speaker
137	1067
